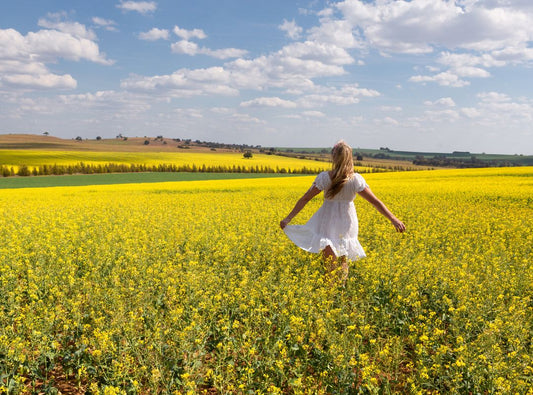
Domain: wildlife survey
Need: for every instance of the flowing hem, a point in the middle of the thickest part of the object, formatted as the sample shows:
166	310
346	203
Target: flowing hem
306	239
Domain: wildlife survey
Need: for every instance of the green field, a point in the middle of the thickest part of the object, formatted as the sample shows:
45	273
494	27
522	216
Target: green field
121	178
521	160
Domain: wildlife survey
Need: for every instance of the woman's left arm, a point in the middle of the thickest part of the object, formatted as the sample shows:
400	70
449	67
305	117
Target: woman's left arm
380	206
300	204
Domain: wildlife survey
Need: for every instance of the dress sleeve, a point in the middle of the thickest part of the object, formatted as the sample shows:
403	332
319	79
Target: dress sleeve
320	181
360	183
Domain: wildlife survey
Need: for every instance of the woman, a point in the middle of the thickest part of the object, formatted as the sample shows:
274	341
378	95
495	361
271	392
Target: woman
334	227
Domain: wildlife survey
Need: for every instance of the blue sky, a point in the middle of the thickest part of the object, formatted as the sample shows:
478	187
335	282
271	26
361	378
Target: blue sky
431	75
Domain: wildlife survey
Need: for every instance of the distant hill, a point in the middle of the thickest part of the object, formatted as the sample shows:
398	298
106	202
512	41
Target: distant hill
120	143
371	157
456	159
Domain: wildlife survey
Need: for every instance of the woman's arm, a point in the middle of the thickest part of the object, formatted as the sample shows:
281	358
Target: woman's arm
378	204
300	204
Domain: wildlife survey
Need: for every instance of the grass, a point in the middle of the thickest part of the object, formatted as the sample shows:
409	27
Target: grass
121	178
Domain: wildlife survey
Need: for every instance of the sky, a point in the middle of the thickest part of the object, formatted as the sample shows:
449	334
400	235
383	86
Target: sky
419	75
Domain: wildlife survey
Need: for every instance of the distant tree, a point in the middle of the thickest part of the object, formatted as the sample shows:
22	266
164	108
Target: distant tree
24	171
98	138
46	133
79	138
146	142
248	154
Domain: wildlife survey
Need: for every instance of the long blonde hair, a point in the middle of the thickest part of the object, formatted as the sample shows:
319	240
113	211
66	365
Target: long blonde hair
342	167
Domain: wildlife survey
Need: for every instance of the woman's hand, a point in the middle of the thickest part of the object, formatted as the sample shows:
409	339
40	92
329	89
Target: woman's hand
300	204
399	225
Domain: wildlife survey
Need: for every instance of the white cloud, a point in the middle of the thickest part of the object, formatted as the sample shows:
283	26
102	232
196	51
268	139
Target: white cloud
388	121
418	26
184	83
188	47
269	102
460	65
221	110
292	30
108	104
319	96
185	47
445	79
315	51
470	112
246	118
107	24
344	95
443	102
154	34
513	54
391	108
194	113
458	60
43	80
446	115
471	72
224	53
48	45
313	114
188	34
477	34
337	32
290	116
493	97
497	109
75	29
292	68
142	7
23	58
191	48
494	110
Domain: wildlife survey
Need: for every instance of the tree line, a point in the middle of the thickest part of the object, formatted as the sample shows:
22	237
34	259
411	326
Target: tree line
84	168
472	162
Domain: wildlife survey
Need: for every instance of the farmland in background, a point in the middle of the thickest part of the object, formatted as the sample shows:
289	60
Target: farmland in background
34	150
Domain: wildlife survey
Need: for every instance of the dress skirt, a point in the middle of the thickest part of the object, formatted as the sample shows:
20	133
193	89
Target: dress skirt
334	224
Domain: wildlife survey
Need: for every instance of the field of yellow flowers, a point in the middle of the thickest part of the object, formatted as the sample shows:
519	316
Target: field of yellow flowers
227	160
191	287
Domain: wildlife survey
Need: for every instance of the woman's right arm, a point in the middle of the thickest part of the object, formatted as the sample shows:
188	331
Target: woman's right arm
380	206
300	204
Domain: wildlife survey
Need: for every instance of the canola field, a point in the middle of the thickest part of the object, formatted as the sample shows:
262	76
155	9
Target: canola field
191	287
35	158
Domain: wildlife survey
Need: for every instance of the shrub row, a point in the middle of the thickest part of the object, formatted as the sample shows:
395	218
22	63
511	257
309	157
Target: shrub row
82	168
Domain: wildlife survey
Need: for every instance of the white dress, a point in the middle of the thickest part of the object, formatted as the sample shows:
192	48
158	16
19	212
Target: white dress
334	224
